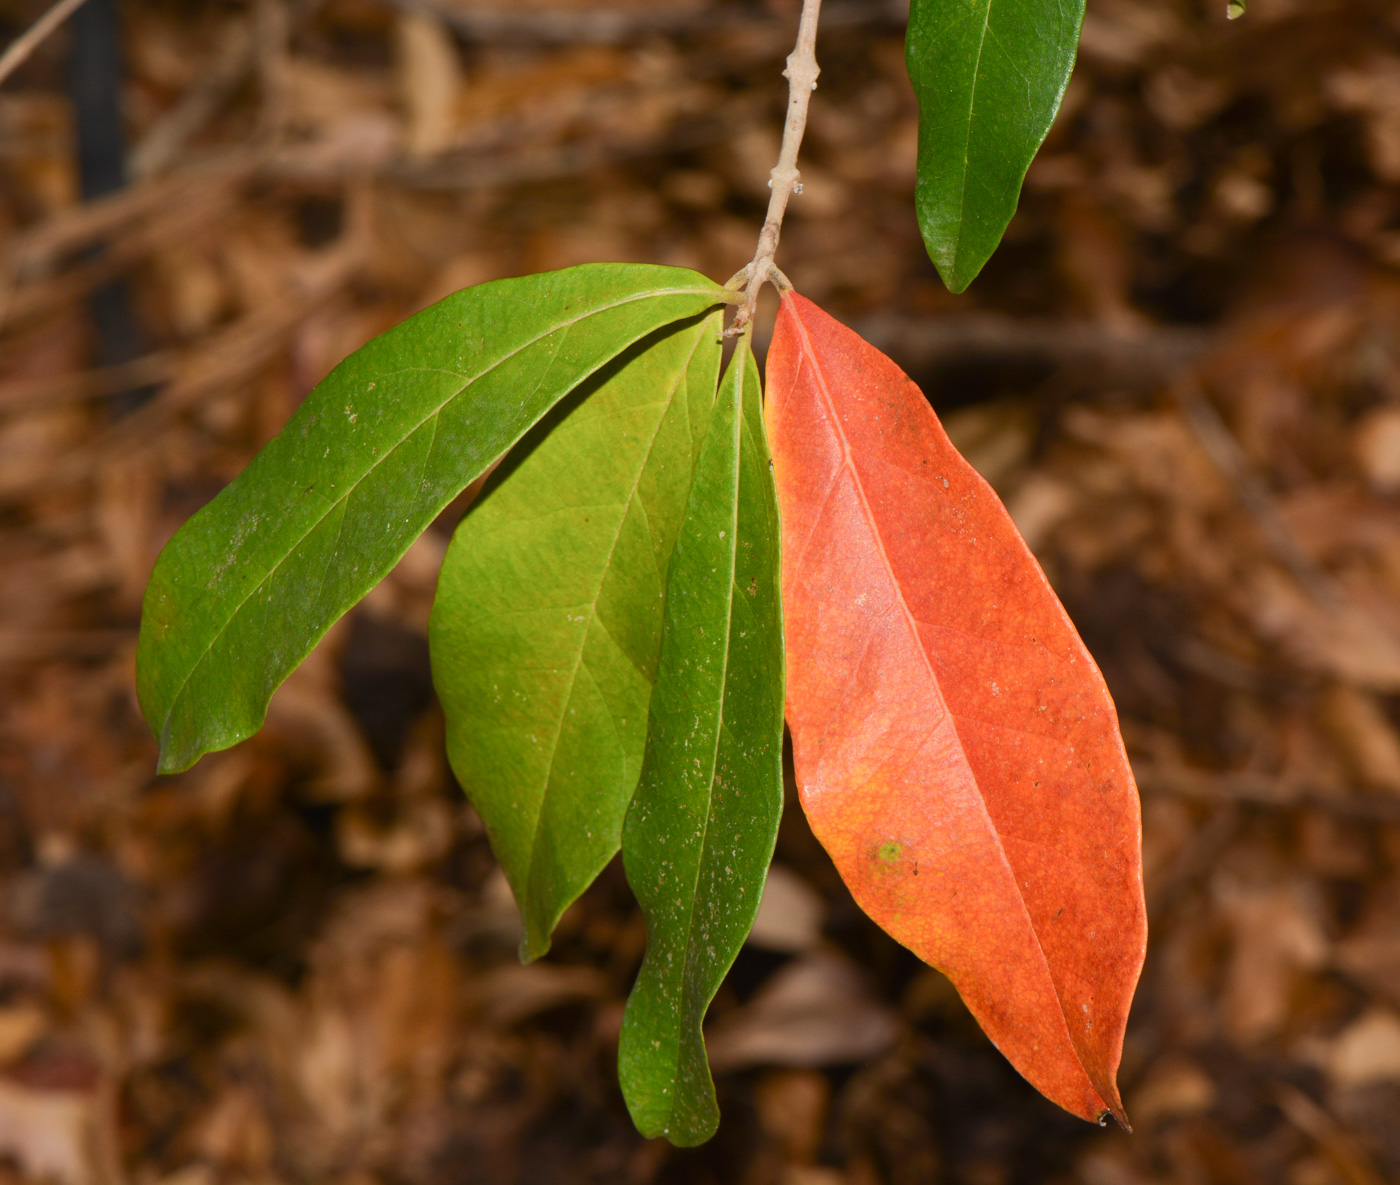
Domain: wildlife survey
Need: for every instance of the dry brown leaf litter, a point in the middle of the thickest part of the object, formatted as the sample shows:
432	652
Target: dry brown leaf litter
296	962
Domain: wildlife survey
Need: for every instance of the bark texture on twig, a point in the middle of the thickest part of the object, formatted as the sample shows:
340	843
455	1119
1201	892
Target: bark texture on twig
785	180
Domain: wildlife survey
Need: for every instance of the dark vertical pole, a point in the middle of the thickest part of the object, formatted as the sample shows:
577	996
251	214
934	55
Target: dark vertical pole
95	82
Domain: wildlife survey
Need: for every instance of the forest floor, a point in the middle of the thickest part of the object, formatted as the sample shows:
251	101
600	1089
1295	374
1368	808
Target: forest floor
296	962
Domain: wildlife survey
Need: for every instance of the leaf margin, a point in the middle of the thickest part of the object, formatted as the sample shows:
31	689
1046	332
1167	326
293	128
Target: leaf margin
881	885
690	1115
211	540
542	906
931	63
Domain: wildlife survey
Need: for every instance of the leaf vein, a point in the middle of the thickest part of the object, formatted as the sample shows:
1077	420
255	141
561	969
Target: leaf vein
592	605
214	640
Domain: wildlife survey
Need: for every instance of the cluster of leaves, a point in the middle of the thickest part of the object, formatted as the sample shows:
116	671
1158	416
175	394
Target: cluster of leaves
608	636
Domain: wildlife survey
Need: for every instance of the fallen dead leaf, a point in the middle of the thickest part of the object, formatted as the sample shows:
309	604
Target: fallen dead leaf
1363	734
1376	444
814	1012
429	81
1366	1051
20	1025
1174	1087
790	913
1277	933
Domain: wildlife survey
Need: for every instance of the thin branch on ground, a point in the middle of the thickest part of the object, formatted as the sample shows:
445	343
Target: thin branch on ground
1224	451
785	180
60	390
1140	358
503	23
165	139
1265	791
29	40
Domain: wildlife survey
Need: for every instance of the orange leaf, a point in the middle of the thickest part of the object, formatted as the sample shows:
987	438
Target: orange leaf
957	751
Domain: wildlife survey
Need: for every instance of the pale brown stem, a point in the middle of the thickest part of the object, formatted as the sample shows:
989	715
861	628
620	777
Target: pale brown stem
785	180
23	45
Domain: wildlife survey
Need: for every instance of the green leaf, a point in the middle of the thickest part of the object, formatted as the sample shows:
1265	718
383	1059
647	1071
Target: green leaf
989	76
245	589
701	828
547	623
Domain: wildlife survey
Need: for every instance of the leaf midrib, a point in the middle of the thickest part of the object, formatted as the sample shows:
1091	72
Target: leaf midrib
566	326
848	461
967	139
592	604
719	728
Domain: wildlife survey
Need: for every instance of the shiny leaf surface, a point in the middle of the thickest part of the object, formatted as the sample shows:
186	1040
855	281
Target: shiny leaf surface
547	623
245	588
700	832
989	76
957	752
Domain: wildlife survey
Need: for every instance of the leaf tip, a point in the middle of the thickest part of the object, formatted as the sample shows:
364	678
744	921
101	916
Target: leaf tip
955	280
956	268
536	941
693	1137
172	760
529	953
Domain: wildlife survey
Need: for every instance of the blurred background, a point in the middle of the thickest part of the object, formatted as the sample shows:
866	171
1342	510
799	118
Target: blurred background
296	962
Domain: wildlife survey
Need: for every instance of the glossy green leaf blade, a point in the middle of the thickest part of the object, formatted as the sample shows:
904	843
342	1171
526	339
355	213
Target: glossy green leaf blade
245	589
989	76
547	623
700	832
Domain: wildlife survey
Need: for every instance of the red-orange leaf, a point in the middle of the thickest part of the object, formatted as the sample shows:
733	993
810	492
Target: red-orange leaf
957	751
